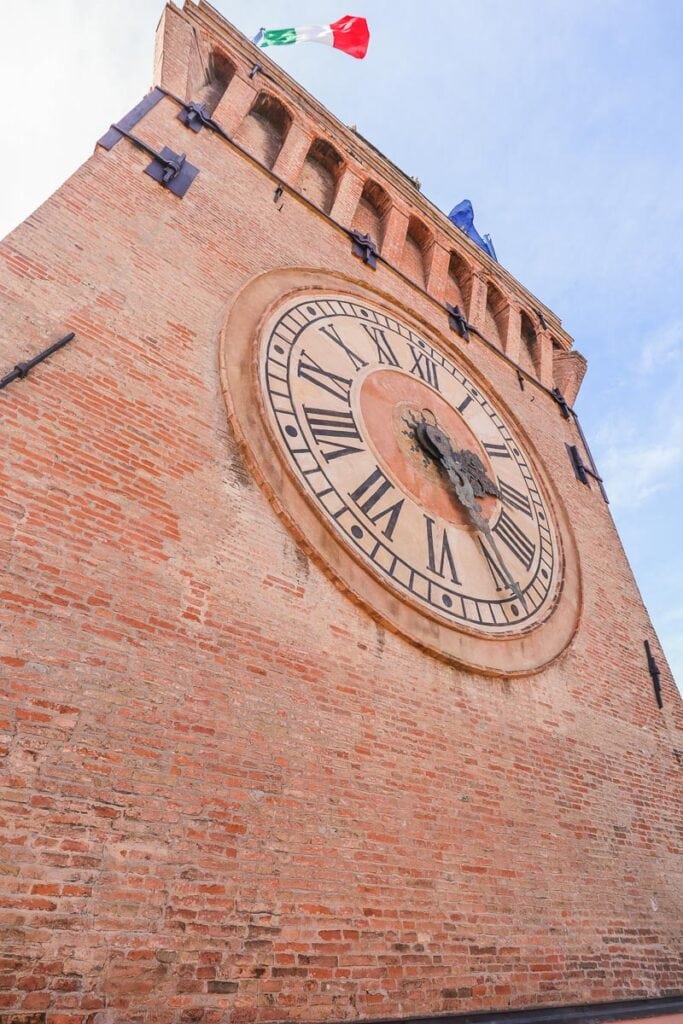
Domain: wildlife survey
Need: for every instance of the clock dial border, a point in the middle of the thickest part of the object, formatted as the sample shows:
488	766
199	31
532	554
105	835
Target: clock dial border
501	654
493	615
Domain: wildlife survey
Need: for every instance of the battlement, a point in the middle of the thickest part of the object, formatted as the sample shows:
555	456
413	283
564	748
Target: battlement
202	58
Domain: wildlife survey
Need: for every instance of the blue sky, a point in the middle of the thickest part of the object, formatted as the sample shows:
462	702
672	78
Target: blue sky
559	119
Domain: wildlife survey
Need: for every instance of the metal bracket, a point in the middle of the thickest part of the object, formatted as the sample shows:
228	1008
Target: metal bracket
195	116
457	321
562	402
117	131
364	247
581	471
654	673
168	168
22	370
172	171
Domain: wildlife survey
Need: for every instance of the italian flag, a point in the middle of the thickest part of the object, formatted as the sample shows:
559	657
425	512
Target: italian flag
349	34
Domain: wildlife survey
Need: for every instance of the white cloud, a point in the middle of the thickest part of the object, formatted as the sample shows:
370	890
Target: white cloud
634	474
664	347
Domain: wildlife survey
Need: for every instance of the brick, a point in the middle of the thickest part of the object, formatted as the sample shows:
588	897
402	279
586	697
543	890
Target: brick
230	792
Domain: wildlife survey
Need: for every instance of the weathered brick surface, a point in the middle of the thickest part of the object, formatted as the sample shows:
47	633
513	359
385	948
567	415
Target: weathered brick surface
226	793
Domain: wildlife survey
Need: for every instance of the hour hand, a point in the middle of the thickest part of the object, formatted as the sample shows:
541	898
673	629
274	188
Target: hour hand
438	445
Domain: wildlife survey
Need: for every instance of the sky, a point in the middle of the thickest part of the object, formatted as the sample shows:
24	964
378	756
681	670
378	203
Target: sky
559	119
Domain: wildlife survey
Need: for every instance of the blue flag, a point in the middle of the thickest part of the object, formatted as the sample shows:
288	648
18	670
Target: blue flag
462	216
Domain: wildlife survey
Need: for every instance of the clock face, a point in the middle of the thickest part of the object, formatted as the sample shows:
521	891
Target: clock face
354	399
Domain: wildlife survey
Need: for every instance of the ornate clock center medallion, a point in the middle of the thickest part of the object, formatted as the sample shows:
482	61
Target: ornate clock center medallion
390	403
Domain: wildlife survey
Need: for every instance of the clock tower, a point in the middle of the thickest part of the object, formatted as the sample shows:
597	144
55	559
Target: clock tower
328	690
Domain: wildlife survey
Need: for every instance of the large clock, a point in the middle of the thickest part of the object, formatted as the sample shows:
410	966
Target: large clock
401	471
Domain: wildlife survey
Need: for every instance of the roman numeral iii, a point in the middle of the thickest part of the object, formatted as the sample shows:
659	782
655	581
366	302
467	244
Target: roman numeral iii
497	451
515	539
514	498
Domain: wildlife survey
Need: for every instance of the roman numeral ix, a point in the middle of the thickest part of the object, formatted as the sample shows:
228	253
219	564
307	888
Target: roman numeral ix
368	495
333	430
514	498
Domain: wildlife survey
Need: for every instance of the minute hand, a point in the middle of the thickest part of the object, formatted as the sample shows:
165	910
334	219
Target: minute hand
465	494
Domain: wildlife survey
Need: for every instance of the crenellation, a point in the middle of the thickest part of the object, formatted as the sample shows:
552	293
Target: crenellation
438	277
294	150
502	322
372	214
265	128
349	143
416	255
235	103
349	193
321	174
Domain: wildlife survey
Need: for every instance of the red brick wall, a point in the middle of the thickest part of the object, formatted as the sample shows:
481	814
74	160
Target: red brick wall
227	794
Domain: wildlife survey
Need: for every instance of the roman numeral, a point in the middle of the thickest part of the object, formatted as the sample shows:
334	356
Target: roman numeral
335	385
332	430
424	368
445	553
465	402
514	498
330	331
385	352
496	574
372	490
515	539
497	451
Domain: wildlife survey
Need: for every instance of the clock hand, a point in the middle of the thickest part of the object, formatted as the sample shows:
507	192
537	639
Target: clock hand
437	444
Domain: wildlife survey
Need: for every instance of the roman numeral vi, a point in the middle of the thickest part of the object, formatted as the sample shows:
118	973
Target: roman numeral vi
445	556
